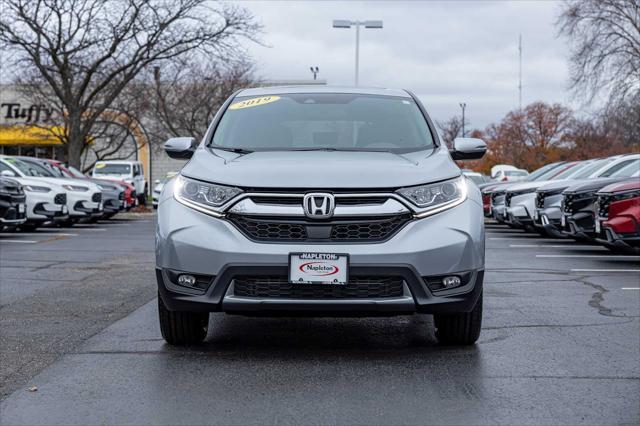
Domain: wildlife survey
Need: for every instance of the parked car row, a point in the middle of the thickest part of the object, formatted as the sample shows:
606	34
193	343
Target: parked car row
591	200
35	191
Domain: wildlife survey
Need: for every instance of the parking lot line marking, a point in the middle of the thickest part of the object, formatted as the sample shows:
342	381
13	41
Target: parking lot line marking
2	240
605	270
631	288
603	256
91	229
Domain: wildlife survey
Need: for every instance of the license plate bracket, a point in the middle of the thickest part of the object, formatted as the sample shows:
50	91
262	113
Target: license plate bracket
319	268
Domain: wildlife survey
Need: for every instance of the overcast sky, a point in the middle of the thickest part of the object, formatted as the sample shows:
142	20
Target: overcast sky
445	52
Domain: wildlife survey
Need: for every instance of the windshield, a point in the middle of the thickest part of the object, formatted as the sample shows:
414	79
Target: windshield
571	171
326	121
111	169
542	170
592	168
628	170
76	172
29	169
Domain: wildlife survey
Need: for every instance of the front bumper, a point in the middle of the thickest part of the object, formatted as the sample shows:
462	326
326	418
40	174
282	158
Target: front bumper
13	209
446	243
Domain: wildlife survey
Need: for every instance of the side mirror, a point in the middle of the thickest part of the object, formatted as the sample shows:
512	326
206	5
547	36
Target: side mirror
468	149
180	148
7	173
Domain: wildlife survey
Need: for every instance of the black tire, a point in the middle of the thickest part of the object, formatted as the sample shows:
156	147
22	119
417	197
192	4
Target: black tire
459	329
182	328
27	227
67	223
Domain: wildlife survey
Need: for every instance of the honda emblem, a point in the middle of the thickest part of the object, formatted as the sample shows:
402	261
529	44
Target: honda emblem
318	205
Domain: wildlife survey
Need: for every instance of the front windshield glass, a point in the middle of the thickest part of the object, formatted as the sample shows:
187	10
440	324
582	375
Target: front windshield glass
593	167
629	170
571	171
29	169
112	169
76	172
325	121
542	170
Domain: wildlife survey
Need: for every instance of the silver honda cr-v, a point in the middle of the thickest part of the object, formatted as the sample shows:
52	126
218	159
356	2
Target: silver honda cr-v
320	201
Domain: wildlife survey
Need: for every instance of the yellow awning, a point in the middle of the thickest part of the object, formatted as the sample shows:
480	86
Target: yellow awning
30	135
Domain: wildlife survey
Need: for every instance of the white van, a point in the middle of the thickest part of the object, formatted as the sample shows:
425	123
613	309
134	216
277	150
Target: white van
128	171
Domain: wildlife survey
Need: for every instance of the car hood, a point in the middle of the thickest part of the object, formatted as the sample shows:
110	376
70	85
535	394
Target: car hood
69	181
593	184
626	185
48	182
557	185
321	169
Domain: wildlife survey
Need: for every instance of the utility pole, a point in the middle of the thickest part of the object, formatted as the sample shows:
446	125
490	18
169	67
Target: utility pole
315	72
345	23
520	72
463	106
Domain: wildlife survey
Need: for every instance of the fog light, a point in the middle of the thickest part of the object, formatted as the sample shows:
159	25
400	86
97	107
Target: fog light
187	280
450	282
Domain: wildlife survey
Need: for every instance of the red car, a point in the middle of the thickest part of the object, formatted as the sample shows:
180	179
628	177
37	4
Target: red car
618	216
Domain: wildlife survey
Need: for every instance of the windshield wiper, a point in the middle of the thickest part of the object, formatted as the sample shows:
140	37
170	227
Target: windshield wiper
329	149
236	150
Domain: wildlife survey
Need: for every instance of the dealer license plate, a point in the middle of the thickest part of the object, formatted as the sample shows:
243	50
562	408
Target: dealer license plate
598	227
563	221
21	208
318	268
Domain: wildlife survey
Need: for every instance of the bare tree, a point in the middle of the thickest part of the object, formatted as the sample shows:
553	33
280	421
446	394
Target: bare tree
207	84
606	46
450	129
81	54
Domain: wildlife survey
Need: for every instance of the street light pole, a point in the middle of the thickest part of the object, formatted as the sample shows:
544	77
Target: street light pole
463	106
345	23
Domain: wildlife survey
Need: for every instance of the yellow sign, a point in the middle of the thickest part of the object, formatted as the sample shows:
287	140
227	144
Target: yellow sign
254	102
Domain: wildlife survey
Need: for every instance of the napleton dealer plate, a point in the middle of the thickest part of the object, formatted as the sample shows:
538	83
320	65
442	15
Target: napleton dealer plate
318	268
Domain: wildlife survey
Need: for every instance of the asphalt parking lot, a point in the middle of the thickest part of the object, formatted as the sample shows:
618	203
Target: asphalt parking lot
560	344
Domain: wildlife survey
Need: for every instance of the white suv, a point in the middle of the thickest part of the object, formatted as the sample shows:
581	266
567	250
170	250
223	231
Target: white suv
84	198
128	171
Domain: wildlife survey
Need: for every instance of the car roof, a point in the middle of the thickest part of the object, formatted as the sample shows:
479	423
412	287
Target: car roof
285	90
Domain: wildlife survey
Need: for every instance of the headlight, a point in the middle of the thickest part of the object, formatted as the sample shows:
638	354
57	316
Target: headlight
75	188
35	188
203	196
436	197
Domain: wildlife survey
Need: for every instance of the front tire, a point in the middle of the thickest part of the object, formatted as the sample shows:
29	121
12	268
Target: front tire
182	328
29	226
461	328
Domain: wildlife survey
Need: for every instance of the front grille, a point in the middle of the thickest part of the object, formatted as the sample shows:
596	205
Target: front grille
296	229
575	202
540	200
265	230
378	230
279	287
121	195
60	199
96	197
346	201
